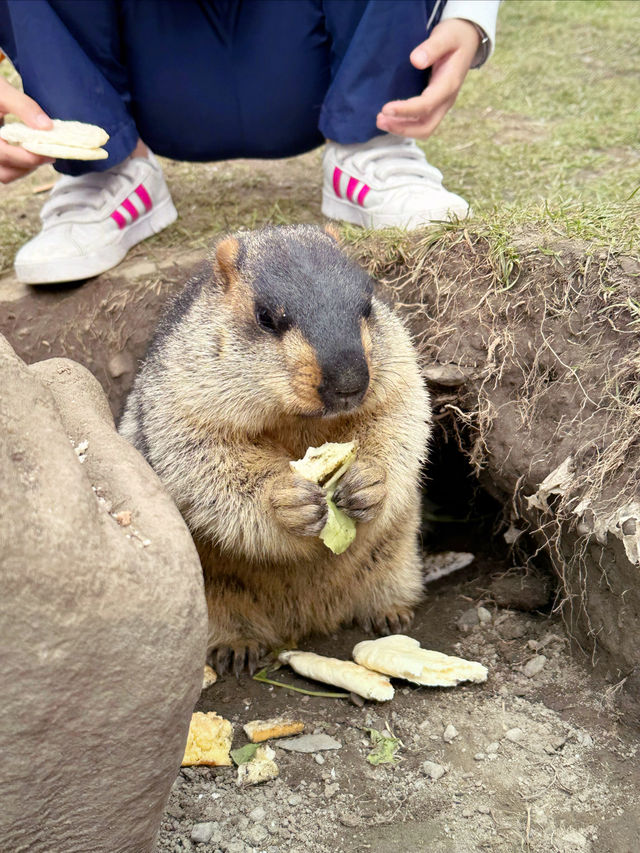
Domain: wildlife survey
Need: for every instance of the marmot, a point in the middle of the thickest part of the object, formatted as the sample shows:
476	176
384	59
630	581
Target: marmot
276	345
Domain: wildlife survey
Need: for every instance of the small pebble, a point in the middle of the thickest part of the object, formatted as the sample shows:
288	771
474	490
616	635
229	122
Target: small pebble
433	771
257	814
514	735
257	834
319	759
294	800
450	733
484	809
493	747
484	615
468	619
479	756
534	666
467	813
202	832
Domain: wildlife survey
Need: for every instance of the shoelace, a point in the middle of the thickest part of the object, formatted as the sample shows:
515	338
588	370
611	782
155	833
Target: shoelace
399	161
71	195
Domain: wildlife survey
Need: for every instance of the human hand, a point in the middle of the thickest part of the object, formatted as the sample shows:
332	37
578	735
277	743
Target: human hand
15	162
449	51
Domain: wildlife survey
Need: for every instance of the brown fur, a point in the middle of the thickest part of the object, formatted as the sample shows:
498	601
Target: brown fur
220	431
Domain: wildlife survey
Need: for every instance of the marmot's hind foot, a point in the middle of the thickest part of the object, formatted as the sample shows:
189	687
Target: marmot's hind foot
395	621
236	658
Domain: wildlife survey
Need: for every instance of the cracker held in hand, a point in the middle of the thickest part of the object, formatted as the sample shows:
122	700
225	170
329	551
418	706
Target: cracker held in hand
402	657
209	741
68	140
340	673
325	465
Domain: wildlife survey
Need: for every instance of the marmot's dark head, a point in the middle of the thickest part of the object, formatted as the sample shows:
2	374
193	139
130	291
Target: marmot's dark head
278	323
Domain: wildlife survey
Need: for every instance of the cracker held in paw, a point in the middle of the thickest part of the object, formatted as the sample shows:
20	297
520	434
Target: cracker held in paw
209	741
402	657
325	465
340	673
68	140
259	730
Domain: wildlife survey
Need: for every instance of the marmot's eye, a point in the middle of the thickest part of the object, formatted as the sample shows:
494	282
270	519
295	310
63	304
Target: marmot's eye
366	312
266	320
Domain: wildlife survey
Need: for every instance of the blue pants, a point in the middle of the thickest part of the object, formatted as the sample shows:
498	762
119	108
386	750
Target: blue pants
216	79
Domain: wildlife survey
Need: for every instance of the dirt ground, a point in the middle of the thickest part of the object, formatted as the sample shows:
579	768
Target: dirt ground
540	763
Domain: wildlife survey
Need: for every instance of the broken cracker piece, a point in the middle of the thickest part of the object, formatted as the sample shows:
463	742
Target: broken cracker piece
341	673
325	465
209	676
401	657
261	768
321	464
64	152
209	741
259	730
78	134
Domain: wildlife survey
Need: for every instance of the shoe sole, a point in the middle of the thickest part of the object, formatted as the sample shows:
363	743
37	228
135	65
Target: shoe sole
336	208
76	269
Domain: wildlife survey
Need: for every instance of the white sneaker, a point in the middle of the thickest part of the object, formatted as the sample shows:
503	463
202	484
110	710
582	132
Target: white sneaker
385	182
89	223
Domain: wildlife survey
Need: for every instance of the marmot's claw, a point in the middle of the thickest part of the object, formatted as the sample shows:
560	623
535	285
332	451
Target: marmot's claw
223	659
361	491
394	622
299	505
239	657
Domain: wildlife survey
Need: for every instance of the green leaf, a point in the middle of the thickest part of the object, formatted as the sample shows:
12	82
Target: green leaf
339	531
244	754
384	748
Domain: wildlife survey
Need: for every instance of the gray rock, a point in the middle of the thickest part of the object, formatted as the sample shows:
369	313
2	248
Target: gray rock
534	666
309	743
484	615
202	832
450	733
295	800
93	622
514	735
257	814
468	619
257	834
432	770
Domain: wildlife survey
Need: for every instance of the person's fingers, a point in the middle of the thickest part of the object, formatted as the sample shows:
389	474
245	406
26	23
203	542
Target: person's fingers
414	129
441	42
15	157
8	174
446	79
21	105
446	37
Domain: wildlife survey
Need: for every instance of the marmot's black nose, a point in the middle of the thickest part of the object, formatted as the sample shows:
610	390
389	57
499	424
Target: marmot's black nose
345	381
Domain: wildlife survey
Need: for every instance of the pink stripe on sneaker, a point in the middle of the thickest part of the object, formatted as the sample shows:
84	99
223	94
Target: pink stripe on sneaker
363	194
130	208
351	188
144	196
119	218
337	174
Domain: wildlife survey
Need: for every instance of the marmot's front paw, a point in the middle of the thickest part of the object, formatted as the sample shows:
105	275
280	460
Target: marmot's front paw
361	491
299	505
395	621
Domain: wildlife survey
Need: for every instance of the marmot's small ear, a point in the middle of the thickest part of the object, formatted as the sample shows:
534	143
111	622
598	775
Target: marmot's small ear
226	259
333	232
